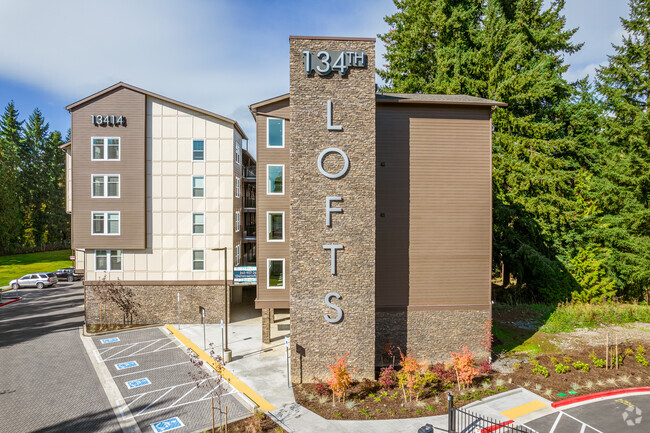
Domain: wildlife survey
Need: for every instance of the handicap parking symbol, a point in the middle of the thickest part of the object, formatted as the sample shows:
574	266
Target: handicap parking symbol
138	383
110	340
166	425
123	365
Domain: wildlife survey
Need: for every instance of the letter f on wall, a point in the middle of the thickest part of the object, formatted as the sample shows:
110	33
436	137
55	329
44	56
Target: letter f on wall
329	209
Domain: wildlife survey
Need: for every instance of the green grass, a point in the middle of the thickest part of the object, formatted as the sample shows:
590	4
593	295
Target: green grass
569	316
20	264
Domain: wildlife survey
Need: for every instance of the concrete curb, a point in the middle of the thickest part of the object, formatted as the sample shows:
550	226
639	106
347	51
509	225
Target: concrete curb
115	331
231	378
597	395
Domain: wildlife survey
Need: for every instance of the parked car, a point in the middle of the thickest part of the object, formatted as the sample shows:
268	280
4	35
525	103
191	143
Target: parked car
52	277
68	274
33	280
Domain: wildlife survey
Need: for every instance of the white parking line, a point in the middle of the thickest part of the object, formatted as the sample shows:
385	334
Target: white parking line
149	369
182	404
113	355
161	389
153	402
582	422
129	344
191	389
139	354
167	344
557	420
143	348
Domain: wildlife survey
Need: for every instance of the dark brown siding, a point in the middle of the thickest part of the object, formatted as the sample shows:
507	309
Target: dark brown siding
131	169
436	232
273	298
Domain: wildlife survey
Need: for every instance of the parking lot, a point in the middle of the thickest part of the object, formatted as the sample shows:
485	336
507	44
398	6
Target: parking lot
152	372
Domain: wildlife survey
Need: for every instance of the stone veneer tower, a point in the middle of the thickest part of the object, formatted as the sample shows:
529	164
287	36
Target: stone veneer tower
316	271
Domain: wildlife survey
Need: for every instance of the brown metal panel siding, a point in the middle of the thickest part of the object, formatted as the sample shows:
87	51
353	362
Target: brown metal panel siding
131	168
277	109
265	203
450	207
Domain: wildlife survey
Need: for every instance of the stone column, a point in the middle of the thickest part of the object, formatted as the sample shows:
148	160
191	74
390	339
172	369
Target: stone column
266	325
316	342
272	315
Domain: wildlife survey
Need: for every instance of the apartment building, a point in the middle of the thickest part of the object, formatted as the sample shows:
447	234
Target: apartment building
374	213
156	190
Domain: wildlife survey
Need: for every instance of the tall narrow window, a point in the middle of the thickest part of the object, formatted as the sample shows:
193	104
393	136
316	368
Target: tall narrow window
274	132
237	255
198	260
106	223
106	185
275	226
237	221
275	274
237	187
198	150
198	183
238	153
105	148
108	260
198	223
275	179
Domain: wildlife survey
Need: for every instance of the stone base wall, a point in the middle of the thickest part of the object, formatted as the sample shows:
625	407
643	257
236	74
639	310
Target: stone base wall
431	335
153	304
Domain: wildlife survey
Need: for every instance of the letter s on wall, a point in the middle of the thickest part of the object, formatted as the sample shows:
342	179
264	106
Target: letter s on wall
339	312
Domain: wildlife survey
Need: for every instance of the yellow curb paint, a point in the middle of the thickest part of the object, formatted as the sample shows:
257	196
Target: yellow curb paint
231	378
524	409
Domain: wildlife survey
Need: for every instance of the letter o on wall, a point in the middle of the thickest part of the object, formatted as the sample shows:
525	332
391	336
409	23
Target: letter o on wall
346	163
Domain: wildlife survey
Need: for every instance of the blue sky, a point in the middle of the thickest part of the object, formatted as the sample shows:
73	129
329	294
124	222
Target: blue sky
217	55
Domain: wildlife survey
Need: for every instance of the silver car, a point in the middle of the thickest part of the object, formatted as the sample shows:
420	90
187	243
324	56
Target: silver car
34	280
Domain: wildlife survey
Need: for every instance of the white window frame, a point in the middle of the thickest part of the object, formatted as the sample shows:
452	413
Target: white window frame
237	254
268	274
105	213
106	176
105	158
237	187
108	261
198	139
268	130
237	221
268	183
198	213
268	216
198	270
238	153
198	177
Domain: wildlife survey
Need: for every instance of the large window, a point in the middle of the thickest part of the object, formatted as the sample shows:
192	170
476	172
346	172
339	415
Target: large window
237	221
237	187
275	226
198	150
275	179
275	274
106	223
108	260
198	260
105	148
106	185
198	223
274	132
198	186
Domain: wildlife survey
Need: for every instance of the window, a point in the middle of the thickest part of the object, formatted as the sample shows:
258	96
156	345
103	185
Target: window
275	274
237	221
238	153
198	150
106	223
105	148
198	223
274	132
106	185
198	260
108	260
275	179
237	255
237	187
198	183
275	226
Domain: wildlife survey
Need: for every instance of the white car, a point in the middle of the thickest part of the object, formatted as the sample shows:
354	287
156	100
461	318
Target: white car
33	280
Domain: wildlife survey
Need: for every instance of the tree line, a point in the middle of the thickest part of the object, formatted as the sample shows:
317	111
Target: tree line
571	160
32	185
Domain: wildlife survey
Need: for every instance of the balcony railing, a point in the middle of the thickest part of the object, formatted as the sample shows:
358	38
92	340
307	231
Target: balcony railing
249	231
249	202
250	171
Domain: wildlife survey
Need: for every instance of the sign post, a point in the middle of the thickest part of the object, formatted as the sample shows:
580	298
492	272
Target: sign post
178	307
203	320
222	346
286	349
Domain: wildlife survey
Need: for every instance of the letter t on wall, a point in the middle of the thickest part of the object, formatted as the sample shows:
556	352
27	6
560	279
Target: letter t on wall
329	209
333	249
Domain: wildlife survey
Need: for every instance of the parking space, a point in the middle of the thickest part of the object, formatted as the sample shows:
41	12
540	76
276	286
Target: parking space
629	414
153	373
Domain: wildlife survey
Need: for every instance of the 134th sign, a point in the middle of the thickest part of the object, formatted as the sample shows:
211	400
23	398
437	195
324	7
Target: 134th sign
325	62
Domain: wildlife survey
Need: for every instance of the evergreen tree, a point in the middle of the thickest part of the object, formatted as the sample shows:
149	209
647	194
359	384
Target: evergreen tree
623	195
10	215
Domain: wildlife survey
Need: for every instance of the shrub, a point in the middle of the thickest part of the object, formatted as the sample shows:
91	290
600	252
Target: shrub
388	377
443	372
321	388
516	366
485	367
640	358
567	360
464	365
561	368
598	363
340	380
539	369
553	360
578	365
408	375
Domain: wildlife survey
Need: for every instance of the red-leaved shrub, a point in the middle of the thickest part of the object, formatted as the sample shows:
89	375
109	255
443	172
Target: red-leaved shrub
388	377
443	372
340	380
464	367
485	367
320	387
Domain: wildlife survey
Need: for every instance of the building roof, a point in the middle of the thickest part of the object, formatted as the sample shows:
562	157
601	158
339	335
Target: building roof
405	98
421	98
163	98
64	145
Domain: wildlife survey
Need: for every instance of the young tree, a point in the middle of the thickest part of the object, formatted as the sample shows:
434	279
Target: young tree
10	215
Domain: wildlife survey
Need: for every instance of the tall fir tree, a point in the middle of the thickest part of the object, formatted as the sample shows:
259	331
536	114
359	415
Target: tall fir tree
10	215
623	195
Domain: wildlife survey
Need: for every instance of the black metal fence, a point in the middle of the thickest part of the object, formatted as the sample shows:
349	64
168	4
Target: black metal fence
464	421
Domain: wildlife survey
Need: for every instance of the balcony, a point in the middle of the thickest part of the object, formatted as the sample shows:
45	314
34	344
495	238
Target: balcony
250	232
250	172
249	203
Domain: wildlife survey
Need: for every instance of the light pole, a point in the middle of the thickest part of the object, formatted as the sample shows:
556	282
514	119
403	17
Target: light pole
227	353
